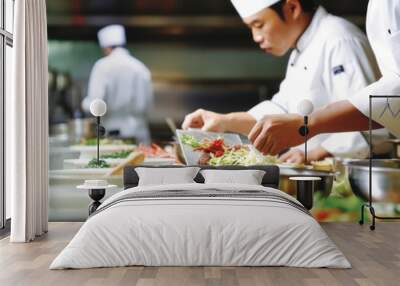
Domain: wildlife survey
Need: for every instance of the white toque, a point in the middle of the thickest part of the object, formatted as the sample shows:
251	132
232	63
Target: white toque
305	107
113	35
98	107
248	8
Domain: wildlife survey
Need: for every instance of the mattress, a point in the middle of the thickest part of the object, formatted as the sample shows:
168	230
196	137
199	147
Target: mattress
201	225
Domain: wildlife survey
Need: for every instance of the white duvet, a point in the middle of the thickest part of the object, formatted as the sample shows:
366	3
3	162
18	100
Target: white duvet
200	232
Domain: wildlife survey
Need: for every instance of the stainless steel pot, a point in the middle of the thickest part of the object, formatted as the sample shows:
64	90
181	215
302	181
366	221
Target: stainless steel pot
396	143
81	129
59	130
385	179
324	186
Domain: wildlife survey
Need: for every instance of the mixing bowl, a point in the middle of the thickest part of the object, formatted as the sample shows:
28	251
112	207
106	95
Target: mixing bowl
385	179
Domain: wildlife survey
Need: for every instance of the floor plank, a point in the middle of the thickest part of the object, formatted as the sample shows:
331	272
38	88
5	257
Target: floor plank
375	257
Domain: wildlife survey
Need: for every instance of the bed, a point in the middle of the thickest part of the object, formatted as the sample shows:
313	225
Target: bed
201	224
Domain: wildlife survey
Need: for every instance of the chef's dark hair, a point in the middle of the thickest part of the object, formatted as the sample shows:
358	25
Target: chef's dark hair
119	46
309	6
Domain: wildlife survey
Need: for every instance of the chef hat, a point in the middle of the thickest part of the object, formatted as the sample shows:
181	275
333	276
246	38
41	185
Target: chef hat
248	8
113	35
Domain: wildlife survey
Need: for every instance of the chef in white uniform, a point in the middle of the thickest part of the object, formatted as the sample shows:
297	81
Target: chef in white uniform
383	28
124	83
331	59
275	133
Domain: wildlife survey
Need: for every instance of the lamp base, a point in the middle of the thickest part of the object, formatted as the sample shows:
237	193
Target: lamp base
305	193
96	195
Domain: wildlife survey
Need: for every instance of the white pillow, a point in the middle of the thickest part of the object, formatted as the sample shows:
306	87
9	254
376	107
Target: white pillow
246	177
166	176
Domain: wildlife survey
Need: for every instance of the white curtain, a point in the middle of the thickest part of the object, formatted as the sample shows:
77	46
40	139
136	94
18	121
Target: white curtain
27	123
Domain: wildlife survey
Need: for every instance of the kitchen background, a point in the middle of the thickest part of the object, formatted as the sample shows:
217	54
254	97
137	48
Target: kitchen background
200	54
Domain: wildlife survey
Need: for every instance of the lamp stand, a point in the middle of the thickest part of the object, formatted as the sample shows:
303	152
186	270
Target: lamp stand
304	132
98	140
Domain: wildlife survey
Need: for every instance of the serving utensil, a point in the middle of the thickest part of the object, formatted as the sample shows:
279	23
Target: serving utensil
134	159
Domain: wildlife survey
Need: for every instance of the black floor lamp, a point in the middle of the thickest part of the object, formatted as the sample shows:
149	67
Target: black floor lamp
305	185
97	188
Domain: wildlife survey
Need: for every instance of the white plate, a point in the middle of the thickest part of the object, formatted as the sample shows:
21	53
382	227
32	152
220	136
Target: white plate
85	173
158	161
103	148
83	162
293	166
89	152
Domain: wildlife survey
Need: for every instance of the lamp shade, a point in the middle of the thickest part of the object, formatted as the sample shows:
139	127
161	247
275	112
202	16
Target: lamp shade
305	107
98	107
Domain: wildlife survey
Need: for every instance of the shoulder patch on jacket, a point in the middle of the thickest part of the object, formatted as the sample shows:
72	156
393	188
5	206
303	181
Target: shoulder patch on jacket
338	70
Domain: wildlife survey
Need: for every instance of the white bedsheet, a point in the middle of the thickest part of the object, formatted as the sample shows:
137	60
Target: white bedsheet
200	232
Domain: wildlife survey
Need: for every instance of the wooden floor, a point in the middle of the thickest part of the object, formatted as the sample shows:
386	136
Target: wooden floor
375	257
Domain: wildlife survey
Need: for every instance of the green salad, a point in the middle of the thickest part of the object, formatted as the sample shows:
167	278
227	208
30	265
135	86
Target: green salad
94	164
105	141
116	155
242	157
216	152
190	140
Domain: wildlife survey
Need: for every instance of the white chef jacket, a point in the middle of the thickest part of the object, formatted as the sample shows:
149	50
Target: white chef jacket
383	29
124	83
331	59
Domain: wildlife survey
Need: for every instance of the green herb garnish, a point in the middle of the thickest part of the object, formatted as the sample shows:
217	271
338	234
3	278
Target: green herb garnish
101	164
190	140
116	155
105	141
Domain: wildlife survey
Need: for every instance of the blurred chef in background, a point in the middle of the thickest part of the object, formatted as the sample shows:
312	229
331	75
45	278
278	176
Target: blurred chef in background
124	83
278	132
330	59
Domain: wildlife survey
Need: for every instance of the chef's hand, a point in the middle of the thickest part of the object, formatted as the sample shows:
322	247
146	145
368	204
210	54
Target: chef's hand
294	156
206	120
297	156
275	133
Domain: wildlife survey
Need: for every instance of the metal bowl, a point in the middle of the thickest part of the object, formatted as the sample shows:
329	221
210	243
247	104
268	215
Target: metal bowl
324	186
385	179
81	128
396	143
